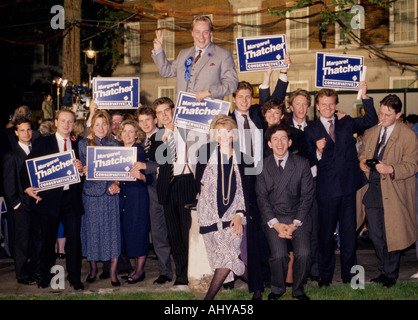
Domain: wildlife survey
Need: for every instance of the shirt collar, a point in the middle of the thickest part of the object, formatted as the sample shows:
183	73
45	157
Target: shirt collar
295	124
24	147
284	158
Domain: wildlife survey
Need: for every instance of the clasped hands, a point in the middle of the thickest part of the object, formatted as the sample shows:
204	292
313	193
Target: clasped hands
284	231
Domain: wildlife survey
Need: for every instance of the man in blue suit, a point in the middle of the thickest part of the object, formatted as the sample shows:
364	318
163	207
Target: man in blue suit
331	148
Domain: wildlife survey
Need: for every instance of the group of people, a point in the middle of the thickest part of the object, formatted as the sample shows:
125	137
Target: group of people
270	186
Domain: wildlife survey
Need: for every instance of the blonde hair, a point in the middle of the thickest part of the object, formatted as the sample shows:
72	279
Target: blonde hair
139	133
222	120
68	110
105	116
203	19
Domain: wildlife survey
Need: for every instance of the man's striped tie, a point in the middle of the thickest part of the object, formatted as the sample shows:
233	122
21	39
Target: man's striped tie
172	154
147	146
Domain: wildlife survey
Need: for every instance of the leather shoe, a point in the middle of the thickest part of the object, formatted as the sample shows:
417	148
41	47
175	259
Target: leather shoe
28	281
274	296
380	279
180	283
302	297
162	279
324	282
229	285
389	282
44	283
104	275
115	283
77	285
90	279
132	280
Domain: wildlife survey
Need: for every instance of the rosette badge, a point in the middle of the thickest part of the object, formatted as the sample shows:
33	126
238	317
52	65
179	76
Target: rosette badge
187	64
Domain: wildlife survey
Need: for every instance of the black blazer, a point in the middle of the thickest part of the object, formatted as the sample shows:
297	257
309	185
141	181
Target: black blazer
338	170
51	199
14	160
285	196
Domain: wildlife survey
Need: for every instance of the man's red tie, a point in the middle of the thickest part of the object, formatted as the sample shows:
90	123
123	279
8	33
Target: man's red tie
65	145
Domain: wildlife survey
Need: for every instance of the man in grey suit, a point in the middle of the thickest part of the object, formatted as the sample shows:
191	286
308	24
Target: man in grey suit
285	194
206	69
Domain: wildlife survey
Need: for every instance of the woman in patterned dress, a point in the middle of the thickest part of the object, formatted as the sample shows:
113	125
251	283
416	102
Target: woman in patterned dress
221	207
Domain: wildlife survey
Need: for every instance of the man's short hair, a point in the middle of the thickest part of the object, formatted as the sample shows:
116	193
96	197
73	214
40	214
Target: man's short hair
145	110
244	85
162	100
327	93
392	101
117	113
277	127
204	19
57	114
19	121
299	92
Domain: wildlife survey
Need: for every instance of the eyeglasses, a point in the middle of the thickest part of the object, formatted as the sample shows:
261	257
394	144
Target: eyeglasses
116	122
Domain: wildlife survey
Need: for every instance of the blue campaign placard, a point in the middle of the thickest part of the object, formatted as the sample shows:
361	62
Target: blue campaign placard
52	171
116	93
110	163
257	53
192	114
338	71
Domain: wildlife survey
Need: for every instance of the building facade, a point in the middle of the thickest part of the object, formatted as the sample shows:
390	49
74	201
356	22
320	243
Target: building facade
386	37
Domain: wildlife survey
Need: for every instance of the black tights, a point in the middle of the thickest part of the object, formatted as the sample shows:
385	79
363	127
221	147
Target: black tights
218	279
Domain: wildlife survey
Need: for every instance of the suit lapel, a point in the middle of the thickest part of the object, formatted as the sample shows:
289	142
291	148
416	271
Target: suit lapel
393	137
280	180
205	58
54	144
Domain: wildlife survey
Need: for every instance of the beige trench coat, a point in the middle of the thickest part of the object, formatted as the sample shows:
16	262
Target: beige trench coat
399	193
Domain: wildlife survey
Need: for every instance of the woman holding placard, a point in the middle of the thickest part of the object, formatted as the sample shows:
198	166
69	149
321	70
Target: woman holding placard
134	204
100	224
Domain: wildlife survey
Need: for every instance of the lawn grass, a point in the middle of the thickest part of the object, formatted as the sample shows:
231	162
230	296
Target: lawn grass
401	291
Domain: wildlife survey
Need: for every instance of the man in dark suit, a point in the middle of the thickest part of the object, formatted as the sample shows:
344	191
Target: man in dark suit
331	148
27	241
175	185
250	130
9	141
147	120
59	204
284	194
299	102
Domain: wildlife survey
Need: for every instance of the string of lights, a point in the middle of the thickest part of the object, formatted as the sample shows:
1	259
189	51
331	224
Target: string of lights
141	11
